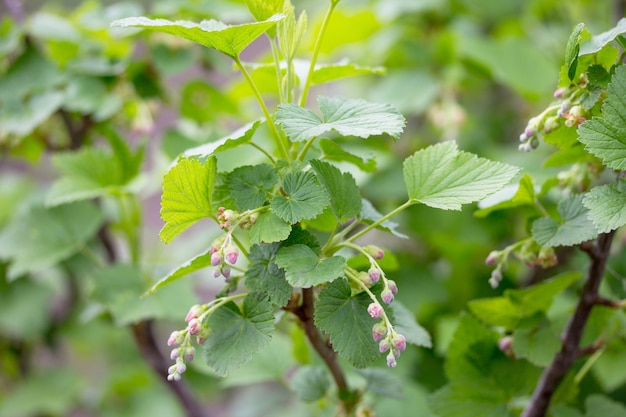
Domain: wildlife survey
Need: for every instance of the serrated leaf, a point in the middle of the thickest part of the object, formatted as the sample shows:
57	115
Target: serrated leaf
332	72
501	200
239	137
250	185
187	191
20	118
345	198
598	42
228	39
300	236
263	275
598	75
369	215
538	344
574	226
571	50
305	198
345	319
382	382
236	335
42	237
333	152
496	311
607	206
264	9
310	383
600	405
605	136
451	401
348	117
196	263
269	228
406	324
443	177
303	268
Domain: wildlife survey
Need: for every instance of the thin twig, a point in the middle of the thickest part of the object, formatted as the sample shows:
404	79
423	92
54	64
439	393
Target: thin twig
570	340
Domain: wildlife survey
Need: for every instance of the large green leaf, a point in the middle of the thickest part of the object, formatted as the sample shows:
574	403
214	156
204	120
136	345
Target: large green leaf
269	228
537	344
237	334
573	227
332	72
596	43
196	263
571	50
443	177
239	137
348	117
345	319
263	275
310	383
334	152
228	39
607	206
345	199
187	190
406	325
305	198
303	268
605	136
600	405
21	118
250	185
525	195
41	238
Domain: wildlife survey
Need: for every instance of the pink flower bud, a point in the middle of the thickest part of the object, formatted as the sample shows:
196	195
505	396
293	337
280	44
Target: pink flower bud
175	353
379	330
374	251
375	310
560	92
216	259
200	340
190	352
171	370
174	338
391	284
399	342
492	258
374	274
365	278
194	327
225	271
217	273
384	346
231	253
174	377
387	296
181	368
194	312
391	360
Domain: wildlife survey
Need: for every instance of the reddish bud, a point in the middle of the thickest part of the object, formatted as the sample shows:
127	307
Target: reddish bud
189	353
391	360
216	259
181	368
379	330
225	271
374	274
375	310
492	258
374	251
174	339
231	253
387	296
194	312
384	346
391	284
399	342
194	327
175	353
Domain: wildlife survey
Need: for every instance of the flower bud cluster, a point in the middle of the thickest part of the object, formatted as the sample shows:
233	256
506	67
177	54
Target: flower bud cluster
223	251
394	343
226	218
527	250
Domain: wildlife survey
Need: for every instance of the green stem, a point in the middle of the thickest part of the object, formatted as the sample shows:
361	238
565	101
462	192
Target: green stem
270	122
266	153
380	221
279	72
215	304
304	150
316	51
588	365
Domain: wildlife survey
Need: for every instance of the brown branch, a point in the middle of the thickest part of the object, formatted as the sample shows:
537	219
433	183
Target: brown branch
76	134
570	340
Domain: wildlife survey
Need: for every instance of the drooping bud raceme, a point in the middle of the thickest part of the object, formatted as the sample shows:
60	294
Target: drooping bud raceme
496	277
493	258
391	360
189	353
375	310
374	251
225	271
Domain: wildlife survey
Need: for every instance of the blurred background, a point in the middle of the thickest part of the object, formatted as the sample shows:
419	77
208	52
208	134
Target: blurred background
76	339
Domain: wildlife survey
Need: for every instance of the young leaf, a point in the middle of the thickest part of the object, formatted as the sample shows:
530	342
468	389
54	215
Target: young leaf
305	198
263	275
303	268
406	325
607	206
310	383
41	238
269	228
599	405
571	51
443	177
332	72
187	189
236	335
525	195
333	152
239	137
249	185
598	42
369	215
605	136
345	199
345	319
227	39
573	228
196	263
537	344
348	117
264	9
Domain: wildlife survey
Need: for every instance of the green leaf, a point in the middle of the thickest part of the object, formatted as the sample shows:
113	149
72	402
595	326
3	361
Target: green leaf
41	238
599	405
249	185
269	228
443	177
538	344
607	206
370	215
406	325
196	263
332	72
571	50
384	383
305	198
310	383
345	319
525	195
227	39
21	118
333	152
573	227
236	335
450	401
25	307
187	190
264	9
596	43
263	275
345	199
605	136
239	137
348	117
303	268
